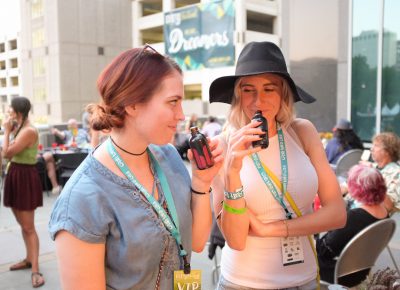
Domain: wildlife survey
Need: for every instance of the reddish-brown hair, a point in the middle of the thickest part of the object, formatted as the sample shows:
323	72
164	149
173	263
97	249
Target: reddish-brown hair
131	78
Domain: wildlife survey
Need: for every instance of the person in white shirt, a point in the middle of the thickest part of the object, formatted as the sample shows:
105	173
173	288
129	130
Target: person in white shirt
259	223
211	128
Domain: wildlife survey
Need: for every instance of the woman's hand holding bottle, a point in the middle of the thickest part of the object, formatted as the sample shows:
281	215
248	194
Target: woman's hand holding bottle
204	177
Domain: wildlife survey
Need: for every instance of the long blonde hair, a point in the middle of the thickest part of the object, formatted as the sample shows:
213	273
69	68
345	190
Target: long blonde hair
237	118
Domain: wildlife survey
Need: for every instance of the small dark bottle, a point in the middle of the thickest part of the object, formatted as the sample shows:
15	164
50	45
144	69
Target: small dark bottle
264	142
201	151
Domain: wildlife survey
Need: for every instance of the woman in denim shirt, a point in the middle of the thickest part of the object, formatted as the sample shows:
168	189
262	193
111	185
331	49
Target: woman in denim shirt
107	233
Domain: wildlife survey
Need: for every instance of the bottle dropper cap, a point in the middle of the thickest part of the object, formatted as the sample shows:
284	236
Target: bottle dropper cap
194	130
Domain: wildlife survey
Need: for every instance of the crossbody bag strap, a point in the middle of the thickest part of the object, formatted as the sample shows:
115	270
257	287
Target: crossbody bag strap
297	212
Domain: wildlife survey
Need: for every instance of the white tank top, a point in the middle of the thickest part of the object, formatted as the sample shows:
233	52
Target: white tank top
259	265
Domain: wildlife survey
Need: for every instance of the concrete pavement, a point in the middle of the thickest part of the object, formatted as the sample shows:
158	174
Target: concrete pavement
12	250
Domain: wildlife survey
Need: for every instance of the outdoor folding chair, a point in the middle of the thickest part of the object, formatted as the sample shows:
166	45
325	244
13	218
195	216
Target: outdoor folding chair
390	251
42	170
67	163
346	161
363	249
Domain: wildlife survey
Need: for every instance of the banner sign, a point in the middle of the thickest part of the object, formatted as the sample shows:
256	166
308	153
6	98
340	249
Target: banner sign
201	35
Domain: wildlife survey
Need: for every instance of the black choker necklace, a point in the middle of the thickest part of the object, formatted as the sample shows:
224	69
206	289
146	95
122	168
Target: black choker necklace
126	151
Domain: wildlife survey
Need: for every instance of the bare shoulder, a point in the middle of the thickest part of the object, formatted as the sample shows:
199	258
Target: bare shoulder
28	132
306	131
303	127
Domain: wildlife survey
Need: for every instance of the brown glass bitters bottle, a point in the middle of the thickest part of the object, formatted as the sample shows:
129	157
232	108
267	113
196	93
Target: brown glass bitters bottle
264	142
201	151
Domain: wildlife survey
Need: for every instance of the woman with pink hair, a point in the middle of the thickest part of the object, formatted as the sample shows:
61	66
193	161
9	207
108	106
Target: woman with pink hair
366	186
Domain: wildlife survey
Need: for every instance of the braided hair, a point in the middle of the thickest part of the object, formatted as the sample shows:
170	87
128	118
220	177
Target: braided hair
21	105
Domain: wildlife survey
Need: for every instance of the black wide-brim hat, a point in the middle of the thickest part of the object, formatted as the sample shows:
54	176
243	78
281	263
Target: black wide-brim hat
256	58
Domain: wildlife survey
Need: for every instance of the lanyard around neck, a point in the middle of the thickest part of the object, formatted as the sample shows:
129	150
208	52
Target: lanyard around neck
172	226
284	170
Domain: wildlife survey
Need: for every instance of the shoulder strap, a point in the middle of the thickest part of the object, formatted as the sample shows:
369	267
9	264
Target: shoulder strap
292	203
294	136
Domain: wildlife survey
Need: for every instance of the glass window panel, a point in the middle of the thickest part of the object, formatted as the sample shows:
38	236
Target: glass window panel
37	8
13	44
38	37
364	65
14	62
39	94
14	81
390	113
39	68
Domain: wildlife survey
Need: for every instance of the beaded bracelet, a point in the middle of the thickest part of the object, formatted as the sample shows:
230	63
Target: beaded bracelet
238	193
287	229
233	210
199	192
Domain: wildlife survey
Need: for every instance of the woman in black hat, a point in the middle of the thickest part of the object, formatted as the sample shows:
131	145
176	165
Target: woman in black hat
268	234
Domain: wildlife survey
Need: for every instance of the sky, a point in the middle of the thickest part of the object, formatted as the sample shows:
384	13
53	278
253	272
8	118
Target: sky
9	17
367	15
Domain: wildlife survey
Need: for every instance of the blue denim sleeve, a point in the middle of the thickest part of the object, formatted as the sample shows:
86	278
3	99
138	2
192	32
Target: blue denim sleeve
81	211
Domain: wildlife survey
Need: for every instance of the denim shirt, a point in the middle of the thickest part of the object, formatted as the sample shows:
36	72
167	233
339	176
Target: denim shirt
97	206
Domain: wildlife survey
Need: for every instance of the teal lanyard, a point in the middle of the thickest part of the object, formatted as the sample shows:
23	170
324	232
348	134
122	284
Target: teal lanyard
171	225
284	168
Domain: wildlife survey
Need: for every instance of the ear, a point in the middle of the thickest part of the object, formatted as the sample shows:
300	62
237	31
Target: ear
131	110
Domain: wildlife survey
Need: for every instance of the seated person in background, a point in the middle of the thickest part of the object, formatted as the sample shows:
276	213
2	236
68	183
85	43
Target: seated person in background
211	128
367	186
385	152
344	139
74	137
193	121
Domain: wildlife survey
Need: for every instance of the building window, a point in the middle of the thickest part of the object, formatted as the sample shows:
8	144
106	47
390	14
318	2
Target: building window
14	62
37	8
364	67
3	98
2	47
193	92
100	50
2	64
366	88
38	37
390	102
3	82
39	94
151	7
13	44
39	68
184	3
153	35
14	81
260	22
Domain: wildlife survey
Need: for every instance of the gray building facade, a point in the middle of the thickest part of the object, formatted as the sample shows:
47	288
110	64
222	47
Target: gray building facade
64	46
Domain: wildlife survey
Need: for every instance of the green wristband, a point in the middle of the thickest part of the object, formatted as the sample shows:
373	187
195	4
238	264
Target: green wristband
234	210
